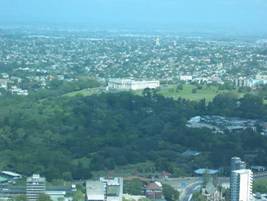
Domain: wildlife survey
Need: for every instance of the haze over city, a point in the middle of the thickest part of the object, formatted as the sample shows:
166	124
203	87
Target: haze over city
222	16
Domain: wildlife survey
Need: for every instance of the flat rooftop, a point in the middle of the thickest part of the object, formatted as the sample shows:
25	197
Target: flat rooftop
95	190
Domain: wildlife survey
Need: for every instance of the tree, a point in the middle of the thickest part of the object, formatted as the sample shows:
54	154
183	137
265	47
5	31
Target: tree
44	197
19	198
194	91
78	196
170	193
251	106
179	87
133	187
197	196
260	186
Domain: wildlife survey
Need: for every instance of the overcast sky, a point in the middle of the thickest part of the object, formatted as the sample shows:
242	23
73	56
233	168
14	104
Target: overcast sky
228	15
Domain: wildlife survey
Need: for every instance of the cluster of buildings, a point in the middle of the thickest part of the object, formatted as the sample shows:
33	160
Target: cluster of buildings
214	79
220	124
111	189
35	186
12	85
35	58
128	84
241	183
259	80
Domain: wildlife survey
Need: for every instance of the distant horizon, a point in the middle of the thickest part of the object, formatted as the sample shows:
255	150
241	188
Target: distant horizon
234	17
82	27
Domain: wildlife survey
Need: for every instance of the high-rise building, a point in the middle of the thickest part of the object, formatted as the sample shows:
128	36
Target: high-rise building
240	181
35	186
241	188
237	164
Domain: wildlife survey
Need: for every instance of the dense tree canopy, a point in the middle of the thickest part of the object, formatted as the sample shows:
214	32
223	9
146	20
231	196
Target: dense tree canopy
69	137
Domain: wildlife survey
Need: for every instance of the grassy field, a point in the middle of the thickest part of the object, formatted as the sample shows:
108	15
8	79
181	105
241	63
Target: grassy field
207	92
85	92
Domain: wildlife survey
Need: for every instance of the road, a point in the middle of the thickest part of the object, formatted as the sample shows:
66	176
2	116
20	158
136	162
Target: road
186	195
185	185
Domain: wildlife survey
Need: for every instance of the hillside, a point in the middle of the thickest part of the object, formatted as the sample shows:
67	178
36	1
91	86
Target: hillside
69	137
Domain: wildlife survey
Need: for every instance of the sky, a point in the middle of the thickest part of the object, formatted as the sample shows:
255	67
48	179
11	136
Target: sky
176	15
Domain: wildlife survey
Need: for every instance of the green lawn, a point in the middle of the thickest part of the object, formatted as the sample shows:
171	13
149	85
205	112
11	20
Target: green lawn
207	92
260	186
85	92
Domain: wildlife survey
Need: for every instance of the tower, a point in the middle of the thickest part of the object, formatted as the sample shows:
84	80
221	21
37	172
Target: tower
157	41
241	188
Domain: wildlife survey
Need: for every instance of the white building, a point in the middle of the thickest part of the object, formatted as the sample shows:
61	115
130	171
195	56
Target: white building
35	186
127	84
242	185
105	189
3	83
11	175
186	78
244	82
95	191
157	41
114	188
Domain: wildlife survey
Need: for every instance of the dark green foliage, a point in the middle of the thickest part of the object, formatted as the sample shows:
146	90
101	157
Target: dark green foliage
260	186
78	196
44	197
170	194
19	198
197	196
69	137
133	187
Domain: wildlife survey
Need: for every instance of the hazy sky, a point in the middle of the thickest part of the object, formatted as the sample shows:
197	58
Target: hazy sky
228	15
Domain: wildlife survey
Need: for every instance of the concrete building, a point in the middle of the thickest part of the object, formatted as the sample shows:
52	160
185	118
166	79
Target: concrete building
114	188
127	84
241	185
105	189
237	164
243	82
240	181
3	83
35	186
186	78
95	191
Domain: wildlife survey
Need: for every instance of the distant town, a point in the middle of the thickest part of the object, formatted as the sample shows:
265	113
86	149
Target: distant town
29	61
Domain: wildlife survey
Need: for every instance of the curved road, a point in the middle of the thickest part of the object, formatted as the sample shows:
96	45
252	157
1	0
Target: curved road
186	195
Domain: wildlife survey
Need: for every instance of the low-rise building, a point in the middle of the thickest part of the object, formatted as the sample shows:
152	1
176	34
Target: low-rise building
128	84
186	78
105	189
154	191
95	191
3	83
